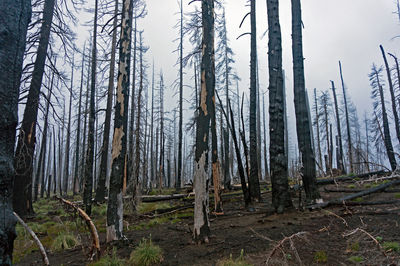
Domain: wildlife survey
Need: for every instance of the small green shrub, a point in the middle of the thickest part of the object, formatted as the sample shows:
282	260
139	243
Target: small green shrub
379	238
356	259
391	246
397	195
108	260
359	199
234	262
320	257
355	246
146	254
64	241
351	186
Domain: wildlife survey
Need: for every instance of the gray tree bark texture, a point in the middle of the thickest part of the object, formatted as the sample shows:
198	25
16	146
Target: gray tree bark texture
253	178
88	174
14	19
67	144
201	230
303	124
179	177
119	144
101	187
278	163
27	136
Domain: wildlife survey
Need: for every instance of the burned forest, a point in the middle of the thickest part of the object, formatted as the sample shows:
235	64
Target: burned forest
199	132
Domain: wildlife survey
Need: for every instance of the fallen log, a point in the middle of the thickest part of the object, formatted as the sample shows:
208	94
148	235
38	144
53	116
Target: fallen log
35	238
370	203
328	181
339	190
343	200
156	198
95	251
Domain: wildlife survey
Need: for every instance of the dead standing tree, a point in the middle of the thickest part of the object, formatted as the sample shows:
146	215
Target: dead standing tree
279	169
340	164
119	147
303	124
201	181
15	16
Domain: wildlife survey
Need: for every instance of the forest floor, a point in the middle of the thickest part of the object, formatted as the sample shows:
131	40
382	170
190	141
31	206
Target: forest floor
352	234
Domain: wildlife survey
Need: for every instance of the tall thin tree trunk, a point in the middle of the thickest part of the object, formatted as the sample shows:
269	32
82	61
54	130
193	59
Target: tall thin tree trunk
178	183
27	137
88	187
67	145
101	188
253	178
303	124
119	147
84	143
266	168
78	130
48	173
317	128
151	129
347	121
339	132
54	162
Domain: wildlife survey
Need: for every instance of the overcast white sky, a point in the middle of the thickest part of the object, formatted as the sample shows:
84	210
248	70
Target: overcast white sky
346	30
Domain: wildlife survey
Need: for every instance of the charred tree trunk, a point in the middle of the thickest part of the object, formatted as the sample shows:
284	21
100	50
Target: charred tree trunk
180	138
161	173
253	178
317	128
392	96
201	230
54	162
101	187
27	136
339	132
266	168
347	121
88	187
84	143
49	170
386	130
303	124
119	147
15	16
278	163
151	130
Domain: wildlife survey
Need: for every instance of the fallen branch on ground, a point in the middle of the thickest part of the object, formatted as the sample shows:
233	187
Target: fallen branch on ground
95	251
280	246
328	181
369	235
35	238
357	190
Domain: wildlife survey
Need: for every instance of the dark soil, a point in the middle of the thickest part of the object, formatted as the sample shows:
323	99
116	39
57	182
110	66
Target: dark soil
326	237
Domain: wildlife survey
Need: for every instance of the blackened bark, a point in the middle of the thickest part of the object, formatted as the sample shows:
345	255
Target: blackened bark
180	139
347	121
339	132
88	175
84	143
392	96
253	178
386	130
54	163
317	128
201	230
162	135
119	147
151	130
27	136
278	163
101	187
266	168
15	16
303	124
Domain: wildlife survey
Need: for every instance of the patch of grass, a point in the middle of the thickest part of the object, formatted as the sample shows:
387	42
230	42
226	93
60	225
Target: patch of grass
320	257
64	241
146	254
356	259
379	238
108	260
391	246
397	195
152	206
351	186
234	262
99	210
359	199
355	246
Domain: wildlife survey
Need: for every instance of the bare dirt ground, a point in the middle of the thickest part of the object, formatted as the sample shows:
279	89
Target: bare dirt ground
343	235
